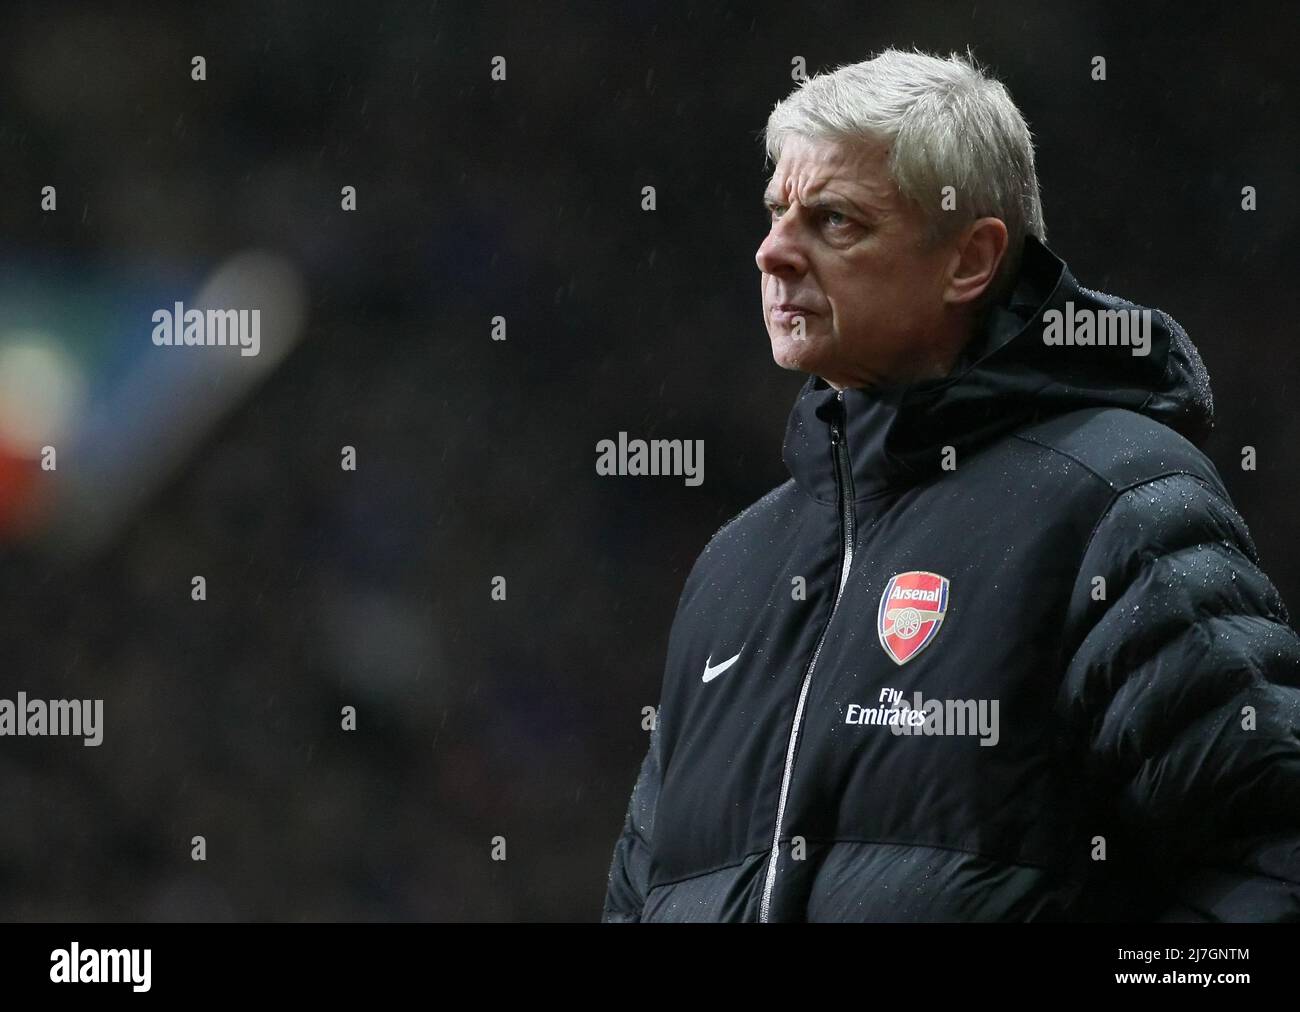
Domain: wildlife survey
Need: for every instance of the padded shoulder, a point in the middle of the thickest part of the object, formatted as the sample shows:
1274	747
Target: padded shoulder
1122	448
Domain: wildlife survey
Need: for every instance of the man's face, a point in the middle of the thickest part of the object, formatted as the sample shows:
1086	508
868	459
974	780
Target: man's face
849	251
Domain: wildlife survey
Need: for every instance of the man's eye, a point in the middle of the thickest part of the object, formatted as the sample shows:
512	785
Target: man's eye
835	219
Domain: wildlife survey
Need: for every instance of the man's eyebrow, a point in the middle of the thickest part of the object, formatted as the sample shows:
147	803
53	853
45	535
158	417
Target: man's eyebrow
830	203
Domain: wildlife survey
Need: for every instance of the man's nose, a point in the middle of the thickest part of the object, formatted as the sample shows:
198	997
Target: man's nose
781	252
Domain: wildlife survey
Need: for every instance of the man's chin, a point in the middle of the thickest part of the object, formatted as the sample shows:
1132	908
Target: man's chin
790	355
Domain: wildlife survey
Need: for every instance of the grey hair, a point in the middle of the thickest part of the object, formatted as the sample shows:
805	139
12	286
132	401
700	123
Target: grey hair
945	122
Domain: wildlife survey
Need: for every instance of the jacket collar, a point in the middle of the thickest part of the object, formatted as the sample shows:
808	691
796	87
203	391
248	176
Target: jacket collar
1005	377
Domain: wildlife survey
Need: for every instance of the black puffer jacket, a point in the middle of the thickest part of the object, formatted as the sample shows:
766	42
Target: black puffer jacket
1032	557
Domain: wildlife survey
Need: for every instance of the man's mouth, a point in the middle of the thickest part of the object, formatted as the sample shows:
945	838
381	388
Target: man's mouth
788	311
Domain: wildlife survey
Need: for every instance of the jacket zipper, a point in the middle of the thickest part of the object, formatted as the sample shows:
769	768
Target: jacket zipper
844	483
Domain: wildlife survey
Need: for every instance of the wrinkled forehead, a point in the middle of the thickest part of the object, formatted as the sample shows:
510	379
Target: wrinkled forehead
812	167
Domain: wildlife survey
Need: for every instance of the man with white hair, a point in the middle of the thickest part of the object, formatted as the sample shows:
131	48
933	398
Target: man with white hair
1001	648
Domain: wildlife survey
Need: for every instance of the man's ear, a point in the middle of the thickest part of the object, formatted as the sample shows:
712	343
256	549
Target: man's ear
976	258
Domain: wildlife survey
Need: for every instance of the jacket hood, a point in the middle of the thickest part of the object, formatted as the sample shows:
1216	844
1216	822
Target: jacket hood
1007	378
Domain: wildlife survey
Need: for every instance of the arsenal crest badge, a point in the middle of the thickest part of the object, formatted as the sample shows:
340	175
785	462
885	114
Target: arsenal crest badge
911	611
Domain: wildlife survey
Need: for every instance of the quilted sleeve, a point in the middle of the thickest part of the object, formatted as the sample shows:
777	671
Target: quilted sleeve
629	869
1182	688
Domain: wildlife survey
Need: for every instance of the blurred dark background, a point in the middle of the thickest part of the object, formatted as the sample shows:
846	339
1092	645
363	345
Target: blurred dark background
476	458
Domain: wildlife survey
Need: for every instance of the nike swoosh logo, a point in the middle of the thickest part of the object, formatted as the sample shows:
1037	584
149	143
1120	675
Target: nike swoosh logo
711	673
